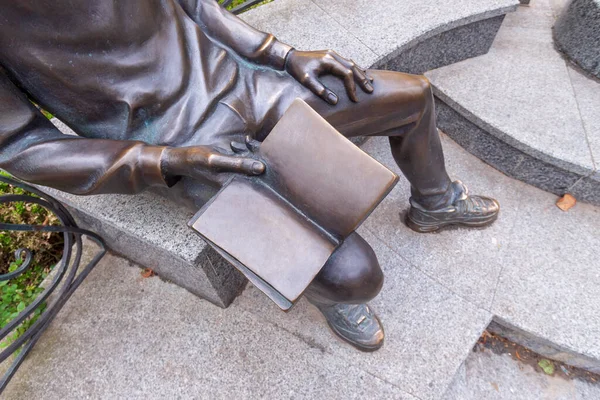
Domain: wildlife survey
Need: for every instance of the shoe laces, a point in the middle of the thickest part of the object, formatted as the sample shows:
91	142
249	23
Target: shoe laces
471	205
356	314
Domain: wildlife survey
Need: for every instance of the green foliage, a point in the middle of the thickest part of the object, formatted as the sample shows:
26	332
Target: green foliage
46	114
236	3
19	292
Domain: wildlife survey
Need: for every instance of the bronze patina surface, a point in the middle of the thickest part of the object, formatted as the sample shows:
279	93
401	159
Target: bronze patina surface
158	89
280	228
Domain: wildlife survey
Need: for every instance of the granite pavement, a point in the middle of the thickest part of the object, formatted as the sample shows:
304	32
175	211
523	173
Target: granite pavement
125	336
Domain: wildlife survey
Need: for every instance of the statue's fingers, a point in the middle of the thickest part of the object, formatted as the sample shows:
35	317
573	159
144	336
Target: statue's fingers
238	147
252	144
320	90
363	81
338	69
244	165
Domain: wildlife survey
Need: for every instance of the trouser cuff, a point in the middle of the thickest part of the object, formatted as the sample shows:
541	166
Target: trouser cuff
455	191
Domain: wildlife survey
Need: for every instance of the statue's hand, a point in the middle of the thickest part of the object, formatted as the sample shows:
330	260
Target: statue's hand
307	66
197	161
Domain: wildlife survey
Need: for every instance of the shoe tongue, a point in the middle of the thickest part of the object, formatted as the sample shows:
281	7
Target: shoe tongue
461	192
356	312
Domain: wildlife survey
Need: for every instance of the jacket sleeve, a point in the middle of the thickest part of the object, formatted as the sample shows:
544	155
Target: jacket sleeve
32	149
256	46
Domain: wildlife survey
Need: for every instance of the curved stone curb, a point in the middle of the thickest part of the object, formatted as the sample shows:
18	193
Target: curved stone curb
522	109
543	346
410	36
477	138
577	34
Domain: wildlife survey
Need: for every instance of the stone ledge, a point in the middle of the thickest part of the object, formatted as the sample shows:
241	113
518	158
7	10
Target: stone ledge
152	232
523	110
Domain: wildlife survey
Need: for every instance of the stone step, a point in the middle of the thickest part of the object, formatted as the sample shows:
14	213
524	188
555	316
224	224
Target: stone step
523	109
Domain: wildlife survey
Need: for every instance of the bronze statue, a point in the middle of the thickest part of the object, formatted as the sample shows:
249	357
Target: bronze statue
162	92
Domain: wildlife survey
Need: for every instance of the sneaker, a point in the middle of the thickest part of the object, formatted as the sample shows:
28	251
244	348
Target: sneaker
356	324
471	211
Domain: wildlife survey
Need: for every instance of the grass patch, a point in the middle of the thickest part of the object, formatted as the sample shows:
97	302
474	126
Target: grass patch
236	3
19	292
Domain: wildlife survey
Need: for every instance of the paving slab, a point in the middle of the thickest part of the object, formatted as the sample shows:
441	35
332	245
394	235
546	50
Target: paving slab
466	261
429	329
549	284
485	375
534	269
506	90
587	92
123	336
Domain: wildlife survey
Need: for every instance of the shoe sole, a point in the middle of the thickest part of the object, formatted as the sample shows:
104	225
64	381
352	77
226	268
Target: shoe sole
433	228
361	347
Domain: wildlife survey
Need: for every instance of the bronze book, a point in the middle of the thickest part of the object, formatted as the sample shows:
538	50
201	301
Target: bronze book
280	228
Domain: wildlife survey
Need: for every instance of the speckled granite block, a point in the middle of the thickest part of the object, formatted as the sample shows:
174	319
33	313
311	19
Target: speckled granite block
502	156
577	34
152	232
587	189
447	48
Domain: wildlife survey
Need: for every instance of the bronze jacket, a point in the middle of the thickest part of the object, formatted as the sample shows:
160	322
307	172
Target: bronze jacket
129	76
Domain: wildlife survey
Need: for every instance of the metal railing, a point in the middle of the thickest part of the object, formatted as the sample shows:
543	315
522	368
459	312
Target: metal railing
67	274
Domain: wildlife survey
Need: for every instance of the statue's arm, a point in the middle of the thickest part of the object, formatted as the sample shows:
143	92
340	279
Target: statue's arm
262	48
259	47
32	149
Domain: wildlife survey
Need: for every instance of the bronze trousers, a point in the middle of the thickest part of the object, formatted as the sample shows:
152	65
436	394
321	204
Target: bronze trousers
401	107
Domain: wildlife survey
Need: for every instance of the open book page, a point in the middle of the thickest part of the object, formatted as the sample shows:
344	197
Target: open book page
251	225
280	228
321	172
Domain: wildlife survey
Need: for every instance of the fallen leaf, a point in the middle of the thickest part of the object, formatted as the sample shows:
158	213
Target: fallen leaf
147	273
566	202
495	386
518	355
547	366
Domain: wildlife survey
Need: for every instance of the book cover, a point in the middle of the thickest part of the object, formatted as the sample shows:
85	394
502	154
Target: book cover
280	228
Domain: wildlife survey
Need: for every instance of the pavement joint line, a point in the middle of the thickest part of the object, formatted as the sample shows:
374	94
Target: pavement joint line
587	136
470	349
426	274
394	385
503	267
377	55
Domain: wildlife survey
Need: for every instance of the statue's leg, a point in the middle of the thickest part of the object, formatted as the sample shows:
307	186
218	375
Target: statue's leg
402	107
349	279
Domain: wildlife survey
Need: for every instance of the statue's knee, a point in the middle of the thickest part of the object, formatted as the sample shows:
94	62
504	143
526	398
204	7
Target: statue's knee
352	274
425	86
